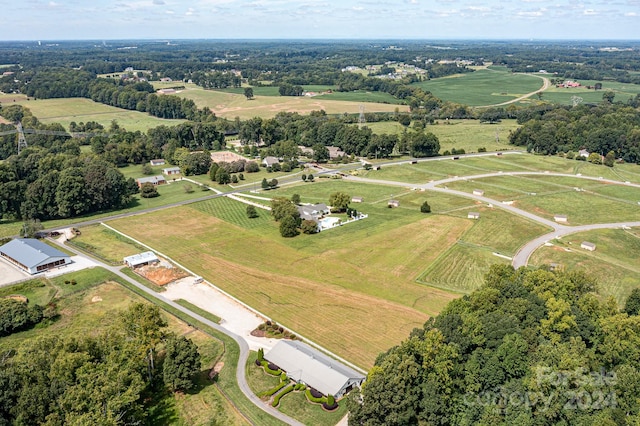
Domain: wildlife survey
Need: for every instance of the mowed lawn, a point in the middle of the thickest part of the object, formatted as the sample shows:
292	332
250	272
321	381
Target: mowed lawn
231	105
66	110
350	289
614	263
482	87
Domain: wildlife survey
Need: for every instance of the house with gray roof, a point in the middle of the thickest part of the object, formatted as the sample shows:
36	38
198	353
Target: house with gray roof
313	211
155	180
270	161
307	365
33	255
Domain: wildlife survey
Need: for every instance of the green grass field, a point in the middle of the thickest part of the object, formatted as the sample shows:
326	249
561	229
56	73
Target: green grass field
561	95
482	87
469	135
614	263
105	244
66	110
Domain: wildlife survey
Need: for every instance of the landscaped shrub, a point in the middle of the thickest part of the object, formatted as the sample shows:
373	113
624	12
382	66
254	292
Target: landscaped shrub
271	368
300	386
315	396
276	400
274	389
283	376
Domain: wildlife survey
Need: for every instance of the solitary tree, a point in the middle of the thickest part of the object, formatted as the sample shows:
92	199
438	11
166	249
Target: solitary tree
273	183
148	190
288	227
304	177
425	207
295	198
339	201
265	184
248	92
252	213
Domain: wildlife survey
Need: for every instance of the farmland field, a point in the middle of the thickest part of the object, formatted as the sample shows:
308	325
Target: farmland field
66	110
561	95
231	105
482	87
460	134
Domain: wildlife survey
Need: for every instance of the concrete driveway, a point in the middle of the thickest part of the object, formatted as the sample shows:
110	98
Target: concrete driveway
10	274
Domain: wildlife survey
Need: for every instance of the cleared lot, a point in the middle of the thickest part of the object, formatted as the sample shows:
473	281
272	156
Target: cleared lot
9	273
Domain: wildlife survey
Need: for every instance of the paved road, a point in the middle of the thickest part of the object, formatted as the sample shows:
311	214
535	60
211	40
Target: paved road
244	347
521	258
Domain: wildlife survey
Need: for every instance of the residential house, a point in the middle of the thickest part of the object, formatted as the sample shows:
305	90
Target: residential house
171	171
270	161
157	162
335	152
156	180
313	211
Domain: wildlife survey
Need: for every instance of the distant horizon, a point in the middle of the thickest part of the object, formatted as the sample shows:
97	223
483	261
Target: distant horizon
73	20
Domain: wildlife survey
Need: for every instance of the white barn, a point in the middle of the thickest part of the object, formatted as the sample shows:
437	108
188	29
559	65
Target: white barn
33	255
307	365
141	259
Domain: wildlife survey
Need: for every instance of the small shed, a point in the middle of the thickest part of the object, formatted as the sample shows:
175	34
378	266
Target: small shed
157	162
393	203
156	180
171	171
587	245
356	199
560	218
473	215
141	259
478	192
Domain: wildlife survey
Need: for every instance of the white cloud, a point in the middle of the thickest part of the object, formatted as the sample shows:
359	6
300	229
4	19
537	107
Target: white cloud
190	12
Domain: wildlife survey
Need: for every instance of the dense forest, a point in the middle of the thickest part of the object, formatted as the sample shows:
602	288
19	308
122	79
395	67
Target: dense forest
103	378
530	347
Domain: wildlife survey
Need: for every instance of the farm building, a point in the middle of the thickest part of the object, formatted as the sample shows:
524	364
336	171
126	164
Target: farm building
141	259
157	162
393	203
479	192
560	218
307	365
313	211
356	199
270	161
171	171
156	180
587	245
33	255
473	215
304	150
335	152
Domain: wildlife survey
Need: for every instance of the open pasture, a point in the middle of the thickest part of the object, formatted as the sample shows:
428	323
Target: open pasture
482	87
66	110
231	105
561	95
105	244
614	263
362	279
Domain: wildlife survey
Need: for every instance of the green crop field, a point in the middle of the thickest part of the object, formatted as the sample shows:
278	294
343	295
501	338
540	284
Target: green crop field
231	105
469	135
66	110
482	87
614	263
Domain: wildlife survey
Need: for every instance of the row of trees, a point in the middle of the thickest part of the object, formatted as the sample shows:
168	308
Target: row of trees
529	347
106	378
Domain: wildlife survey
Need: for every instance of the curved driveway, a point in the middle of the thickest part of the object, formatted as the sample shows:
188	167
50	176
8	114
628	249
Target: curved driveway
244	347
521	258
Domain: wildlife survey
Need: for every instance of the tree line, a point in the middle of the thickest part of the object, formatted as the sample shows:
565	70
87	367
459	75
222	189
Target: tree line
529	347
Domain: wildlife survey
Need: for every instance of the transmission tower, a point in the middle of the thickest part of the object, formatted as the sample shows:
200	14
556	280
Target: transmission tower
22	141
361	119
575	100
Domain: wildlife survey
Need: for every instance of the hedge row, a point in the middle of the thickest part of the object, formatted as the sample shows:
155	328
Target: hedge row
269	368
312	398
276	400
274	389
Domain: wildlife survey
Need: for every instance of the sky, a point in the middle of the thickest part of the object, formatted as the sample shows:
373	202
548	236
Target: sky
321	19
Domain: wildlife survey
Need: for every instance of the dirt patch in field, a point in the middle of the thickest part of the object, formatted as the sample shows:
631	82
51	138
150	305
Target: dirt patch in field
17	297
159	274
226	156
96	299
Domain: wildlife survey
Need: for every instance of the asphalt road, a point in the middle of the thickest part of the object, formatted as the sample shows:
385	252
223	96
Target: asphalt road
244	347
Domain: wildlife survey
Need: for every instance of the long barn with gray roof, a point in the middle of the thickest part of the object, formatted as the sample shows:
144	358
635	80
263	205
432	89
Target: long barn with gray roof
33	255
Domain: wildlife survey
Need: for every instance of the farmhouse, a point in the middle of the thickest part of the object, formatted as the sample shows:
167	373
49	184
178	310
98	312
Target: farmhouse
157	162
588	246
141	259
479	192
307	365
393	203
33	255
156	180
583	153
560	218
270	161
313	211
304	150
171	171
356	199
335	152
473	215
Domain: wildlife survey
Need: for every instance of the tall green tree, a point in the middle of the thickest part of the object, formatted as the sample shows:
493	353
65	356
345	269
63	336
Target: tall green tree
181	363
